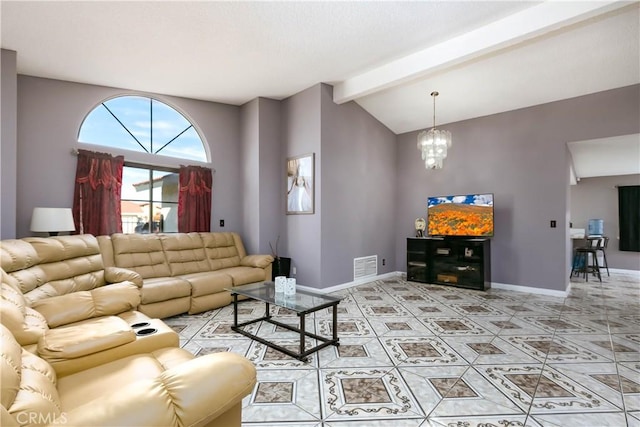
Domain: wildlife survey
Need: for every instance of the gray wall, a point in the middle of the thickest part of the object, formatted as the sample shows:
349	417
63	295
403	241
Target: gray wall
358	190
250	195
521	157
302	234
598	198
270	210
50	113
262	171
368	191
9	143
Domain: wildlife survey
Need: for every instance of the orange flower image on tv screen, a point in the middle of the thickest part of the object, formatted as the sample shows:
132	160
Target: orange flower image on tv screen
470	215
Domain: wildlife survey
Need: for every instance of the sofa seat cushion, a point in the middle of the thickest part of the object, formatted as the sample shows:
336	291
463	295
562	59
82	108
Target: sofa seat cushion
86	338
245	275
164	288
208	283
103	301
85	386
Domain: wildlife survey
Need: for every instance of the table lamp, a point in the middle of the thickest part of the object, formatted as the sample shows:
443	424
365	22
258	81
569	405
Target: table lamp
52	220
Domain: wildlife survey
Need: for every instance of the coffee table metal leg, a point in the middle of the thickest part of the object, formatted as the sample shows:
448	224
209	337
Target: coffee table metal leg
335	323
302	330
235	310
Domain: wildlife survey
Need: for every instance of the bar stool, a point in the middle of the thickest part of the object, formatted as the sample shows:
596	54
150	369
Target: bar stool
581	260
601	246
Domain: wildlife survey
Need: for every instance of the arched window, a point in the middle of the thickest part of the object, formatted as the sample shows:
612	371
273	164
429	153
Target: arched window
149	201
142	124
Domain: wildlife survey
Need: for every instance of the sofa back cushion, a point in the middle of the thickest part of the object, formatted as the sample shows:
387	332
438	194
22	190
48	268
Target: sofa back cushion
26	324
28	384
51	266
222	249
20	261
185	253
142	253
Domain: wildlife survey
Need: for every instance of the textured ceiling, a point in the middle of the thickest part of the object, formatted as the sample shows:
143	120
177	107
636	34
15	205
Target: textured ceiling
483	57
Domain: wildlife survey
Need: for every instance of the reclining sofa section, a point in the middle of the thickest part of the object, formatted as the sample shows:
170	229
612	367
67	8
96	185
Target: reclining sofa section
185	272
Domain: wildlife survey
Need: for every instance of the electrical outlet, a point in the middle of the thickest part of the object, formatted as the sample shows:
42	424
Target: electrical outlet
222	223
293	271
384	261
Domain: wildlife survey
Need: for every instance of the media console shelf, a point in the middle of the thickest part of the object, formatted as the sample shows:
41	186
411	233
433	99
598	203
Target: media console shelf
461	262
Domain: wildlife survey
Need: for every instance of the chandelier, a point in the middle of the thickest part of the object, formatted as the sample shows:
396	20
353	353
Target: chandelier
434	143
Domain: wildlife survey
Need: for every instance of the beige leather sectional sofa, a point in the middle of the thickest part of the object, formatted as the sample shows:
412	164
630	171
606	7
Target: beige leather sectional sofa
76	351
185	272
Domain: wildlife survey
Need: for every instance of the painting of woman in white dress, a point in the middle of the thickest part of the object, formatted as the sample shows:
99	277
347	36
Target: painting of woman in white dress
300	184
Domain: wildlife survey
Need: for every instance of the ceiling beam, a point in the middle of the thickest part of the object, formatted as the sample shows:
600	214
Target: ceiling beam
509	31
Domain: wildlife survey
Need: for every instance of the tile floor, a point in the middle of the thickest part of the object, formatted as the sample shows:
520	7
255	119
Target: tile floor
414	354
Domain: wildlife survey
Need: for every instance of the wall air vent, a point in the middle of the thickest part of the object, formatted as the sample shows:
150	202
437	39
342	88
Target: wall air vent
365	267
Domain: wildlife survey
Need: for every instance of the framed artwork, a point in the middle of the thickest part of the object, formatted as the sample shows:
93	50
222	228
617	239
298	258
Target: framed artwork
300	184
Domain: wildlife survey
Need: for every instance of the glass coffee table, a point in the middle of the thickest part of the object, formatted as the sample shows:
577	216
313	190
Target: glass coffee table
303	303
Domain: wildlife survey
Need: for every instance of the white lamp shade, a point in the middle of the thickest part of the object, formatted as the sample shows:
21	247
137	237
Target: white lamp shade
52	220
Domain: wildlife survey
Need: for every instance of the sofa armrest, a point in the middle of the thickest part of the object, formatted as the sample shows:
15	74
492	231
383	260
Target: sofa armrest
260	261
117	275
191	394
103	301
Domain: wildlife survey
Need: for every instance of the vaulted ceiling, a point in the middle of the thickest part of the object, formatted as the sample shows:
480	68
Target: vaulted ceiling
483	57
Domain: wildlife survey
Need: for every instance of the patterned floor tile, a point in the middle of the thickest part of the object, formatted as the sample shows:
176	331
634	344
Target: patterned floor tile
476	309
343	310
290	395
485	421
598	419
215	345
542	391
430	351
554	349
354	352
602	379
398	326
562	325
265	357
347	327
368	393
456	390
384	310
487	350
432	310
613	347
507	325
453	326
222	329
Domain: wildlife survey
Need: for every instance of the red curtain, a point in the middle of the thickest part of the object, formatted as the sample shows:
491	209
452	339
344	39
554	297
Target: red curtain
96	199
194	200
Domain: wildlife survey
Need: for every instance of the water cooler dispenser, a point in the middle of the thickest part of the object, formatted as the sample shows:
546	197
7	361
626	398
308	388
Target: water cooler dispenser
595	227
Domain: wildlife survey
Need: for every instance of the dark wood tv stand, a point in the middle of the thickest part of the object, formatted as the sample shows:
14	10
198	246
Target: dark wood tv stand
455	261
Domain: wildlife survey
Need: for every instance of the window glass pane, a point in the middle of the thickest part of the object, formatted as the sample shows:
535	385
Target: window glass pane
186	146
149	200
101	128
135	114
167	124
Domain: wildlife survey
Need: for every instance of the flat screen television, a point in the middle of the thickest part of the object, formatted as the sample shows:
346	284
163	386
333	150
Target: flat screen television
468	215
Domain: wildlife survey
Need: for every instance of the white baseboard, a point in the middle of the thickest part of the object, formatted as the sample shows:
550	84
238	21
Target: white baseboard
527	289
620	270
351	284
495	285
